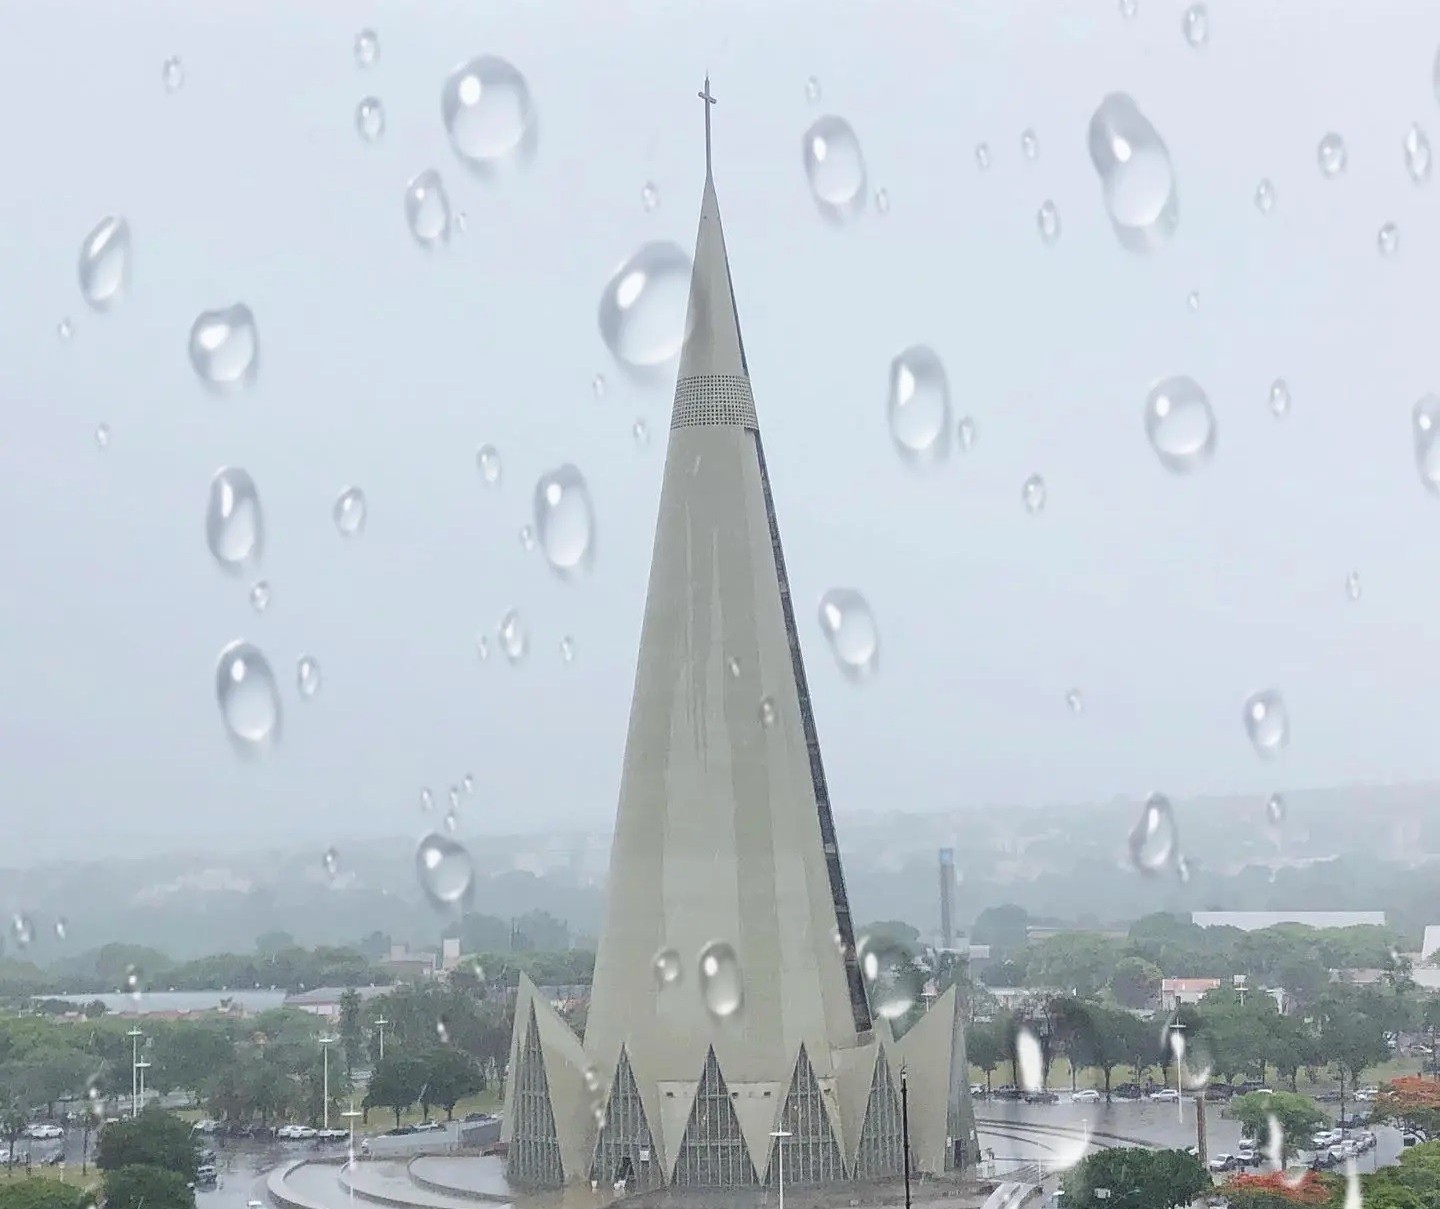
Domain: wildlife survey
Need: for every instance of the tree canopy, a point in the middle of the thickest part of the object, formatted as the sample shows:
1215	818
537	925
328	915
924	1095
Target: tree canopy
1298	1117
153	1139
1135	1179
140	1186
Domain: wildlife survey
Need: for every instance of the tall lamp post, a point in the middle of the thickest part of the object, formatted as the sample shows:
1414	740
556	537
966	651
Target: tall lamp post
350	1114
325	1044
134	1034
780	1135
142	1066
380	1024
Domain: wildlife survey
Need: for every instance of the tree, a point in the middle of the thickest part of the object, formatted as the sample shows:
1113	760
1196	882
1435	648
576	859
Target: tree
1135	982
1005	929
1412	1100
396	1083
1277	1190
41	1194
983	1048
153	1139
151	1187
1352	1034
450	1076
352	1036
1298	1117
191	1055
1135	1179
273	943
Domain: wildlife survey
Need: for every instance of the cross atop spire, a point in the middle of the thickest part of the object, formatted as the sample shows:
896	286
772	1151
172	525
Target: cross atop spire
705	96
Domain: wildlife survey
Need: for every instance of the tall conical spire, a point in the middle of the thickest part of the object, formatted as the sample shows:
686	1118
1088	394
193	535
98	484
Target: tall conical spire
712	329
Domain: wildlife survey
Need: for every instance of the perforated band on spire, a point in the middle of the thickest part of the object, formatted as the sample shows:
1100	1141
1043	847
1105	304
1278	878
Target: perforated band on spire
714	399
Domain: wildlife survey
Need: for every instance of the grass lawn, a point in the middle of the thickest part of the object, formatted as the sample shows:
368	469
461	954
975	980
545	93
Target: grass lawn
69	1174
382	1119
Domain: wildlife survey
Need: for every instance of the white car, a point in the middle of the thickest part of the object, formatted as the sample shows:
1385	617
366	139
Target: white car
295	1133
44	1132
1166	1095
1087	1095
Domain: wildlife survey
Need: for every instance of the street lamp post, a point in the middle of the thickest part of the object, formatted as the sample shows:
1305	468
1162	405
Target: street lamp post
134	1034
780	1135
325	1044
142	1066
380	1024
350	1114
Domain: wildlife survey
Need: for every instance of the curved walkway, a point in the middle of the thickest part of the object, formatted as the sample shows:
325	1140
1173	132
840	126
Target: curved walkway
389	1183
475	1178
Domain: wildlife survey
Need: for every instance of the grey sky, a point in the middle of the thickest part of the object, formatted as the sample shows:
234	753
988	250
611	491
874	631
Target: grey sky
1164	599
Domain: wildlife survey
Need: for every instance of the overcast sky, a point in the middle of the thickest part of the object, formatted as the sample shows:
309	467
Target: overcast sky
1165	599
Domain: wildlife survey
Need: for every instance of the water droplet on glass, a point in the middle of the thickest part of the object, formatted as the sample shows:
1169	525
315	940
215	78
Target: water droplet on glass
767	712
1182	868
982	156
640	431
172	74
370	119
482	648
882	201
527	537
427	799
1332	155
567	649
1266	722
1033	493
565	521
134	982
427	209
249	701
597	386
918	405
1352	585
1074	701
260	595
442	1031
1128	8
1180	424
467	783
1136	176
1029	144
1425	418
64	329
1196	24
1152	839
1192	300
732	665
105	262
850	628
487	461
224	345
22	929
454	797
488	112
444	869
1265	196
666	967
1029	1060
1388	239
649	196
721	985
349	512
1047	219
965	434
812	90
307	676
102	436
1418	160
643	308
234	524
367	48
893	979
452	820
331	861
513	639
1275	810
1280	398
835	167
62	929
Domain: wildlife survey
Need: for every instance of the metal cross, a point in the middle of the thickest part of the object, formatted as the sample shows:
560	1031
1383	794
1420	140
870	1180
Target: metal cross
705	96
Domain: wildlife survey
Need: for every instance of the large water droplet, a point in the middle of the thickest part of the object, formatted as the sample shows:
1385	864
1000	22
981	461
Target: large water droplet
444	869
1265	196
835	167
224	345
307	676
565	521
666	967
1332	155
644	306
722	986
1180	424
370	119
918	407
1029	1060
260	595
172	74
349	512
1418	160
513	639
249	701
1280	398
1196	24
1425	419
1136	176
1047	221
427	209
487	461
1152	839
1352	585
1266	722
1033	494
850	628
367	48
234	523
488	113
1275	809
893	979
105	262
1387	239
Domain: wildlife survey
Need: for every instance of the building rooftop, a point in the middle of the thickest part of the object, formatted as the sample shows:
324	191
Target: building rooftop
1253	921
333	994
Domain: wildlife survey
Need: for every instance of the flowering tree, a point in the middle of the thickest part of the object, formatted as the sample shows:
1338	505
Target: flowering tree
1277	1190
1411	1100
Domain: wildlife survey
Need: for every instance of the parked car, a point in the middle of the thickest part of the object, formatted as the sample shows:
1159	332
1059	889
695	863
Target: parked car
1041	1097
1248	1156
332	1135
400	1130
1166	1095
205	1126
206	1176
1086	1095
1126	1091
429	1126
1224	1162
43	1131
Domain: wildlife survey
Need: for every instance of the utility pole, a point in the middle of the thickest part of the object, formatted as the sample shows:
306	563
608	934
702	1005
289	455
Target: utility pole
1200	1131
780	1135
380	1024
325	1044
905	1131
134	1034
